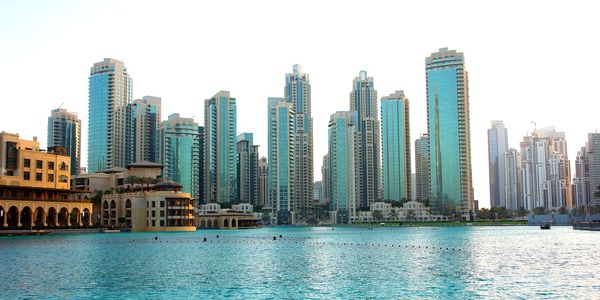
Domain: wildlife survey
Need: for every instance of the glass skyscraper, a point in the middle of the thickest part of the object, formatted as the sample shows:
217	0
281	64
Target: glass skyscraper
422	180
395	137
497	147
247	169
297	92
281	159
363	100
143	120
449	134
220	129
342	141
179	152
110	90
64	130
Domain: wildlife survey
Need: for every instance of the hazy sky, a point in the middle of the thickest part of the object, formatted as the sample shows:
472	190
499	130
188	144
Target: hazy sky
527	60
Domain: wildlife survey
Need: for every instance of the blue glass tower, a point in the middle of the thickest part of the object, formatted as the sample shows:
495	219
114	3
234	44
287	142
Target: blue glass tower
342	141
64	130
179	152
281	158
220	126
449	134
109	91
395	137
143	120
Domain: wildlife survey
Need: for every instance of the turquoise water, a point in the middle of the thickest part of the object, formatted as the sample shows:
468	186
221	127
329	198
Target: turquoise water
346	263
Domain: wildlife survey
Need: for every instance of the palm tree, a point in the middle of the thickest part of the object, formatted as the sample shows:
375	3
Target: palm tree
393	214
410	214
377	215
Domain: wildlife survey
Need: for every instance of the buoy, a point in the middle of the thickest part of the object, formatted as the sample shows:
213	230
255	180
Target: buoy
274	238
155	238
217	236
205	239
280	236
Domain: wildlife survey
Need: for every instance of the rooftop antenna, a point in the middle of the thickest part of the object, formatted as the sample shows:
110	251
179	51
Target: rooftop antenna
534	127
60	105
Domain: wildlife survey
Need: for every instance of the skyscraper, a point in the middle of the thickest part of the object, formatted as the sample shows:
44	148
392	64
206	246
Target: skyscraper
342	141
220	126
143	120
593	152
247	169
179	152
448	125
110	90
582	192
263	174
513	185
395	136
422	168
64	130
281	159
497	147
325	180
363	100
201	194
297	92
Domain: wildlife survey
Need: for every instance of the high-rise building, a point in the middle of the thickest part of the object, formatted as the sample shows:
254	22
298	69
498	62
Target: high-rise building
201	194
497	147
582	192
513	191
281	159
110	90
263	173
297	92
220	128
64	130
363	100
449	133
545	170
395	137
247	169
342	141
325	180
593	152
318	192
143	120
179	152
422	178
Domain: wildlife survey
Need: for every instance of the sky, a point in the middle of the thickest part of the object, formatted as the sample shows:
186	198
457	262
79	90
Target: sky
528	61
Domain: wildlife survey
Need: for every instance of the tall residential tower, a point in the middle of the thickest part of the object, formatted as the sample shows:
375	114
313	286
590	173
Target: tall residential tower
497	147
64	130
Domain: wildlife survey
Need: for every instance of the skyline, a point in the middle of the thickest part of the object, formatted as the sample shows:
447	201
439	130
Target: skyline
43	43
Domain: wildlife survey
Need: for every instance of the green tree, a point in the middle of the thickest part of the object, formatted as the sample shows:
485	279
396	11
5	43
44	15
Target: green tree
562	210
266	217
410	214
377	215
540	210
393	214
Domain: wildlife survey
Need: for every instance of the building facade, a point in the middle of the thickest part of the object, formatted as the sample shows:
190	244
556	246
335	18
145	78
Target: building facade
35	187
342	156
143	121
395	137
497	147
179	152
448	124
247	170
110	91
220	128
513	185
64	130
363	100
297	91
422	179
281	159
263	174
593	151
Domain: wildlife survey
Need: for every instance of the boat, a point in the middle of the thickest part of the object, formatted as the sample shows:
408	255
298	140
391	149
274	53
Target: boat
544	225
106	230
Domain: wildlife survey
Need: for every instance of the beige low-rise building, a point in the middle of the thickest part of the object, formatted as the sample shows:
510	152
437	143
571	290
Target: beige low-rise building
211	216
163	207
35	187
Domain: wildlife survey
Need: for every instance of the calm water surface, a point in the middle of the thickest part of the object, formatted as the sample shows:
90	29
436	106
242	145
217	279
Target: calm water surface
347	263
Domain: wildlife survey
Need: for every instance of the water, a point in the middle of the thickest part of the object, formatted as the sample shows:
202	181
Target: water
487	262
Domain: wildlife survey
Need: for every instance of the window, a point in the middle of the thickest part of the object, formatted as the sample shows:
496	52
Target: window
27	163
153	204
147	204
162	222
153	223
38	176
39	164
162	213
26	176
162	203
50	165
153	213
63	178
63	166
50	177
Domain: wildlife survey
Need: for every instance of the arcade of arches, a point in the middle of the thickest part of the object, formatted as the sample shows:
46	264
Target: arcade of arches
224	221
23	214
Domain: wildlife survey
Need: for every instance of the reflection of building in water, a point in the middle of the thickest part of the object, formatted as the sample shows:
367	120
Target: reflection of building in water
34	187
